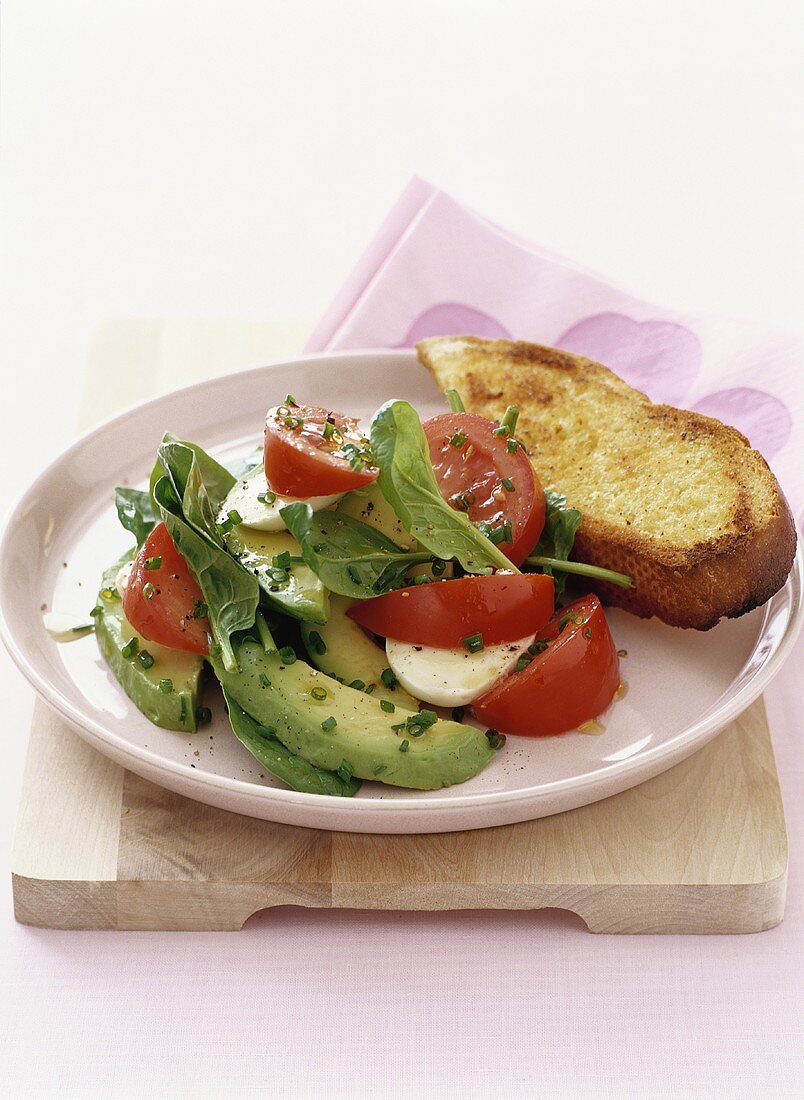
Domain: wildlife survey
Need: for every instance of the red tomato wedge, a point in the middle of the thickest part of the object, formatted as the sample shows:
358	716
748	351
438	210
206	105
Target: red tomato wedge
479	475
501	606
162	598
572	681
312	451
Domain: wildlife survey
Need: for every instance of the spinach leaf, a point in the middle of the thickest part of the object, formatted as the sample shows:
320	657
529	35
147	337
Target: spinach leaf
351	558
558	536
136	512
408	484
188	508
281	762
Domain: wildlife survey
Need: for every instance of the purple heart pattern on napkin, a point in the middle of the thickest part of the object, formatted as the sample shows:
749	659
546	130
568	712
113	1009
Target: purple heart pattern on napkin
437	268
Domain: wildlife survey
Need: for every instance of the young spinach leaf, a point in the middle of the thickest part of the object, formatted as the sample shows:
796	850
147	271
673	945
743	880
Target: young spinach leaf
281	762
136	512
188	508
558	536
408	484
351	558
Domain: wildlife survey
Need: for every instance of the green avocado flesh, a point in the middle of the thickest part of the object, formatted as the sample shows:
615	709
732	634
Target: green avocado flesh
349	654
303	595
362	741
370	507
174	709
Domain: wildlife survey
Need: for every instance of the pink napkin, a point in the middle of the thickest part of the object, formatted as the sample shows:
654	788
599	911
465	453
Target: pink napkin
437	268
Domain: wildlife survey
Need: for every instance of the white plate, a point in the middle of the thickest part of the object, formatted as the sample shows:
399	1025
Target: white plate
683	686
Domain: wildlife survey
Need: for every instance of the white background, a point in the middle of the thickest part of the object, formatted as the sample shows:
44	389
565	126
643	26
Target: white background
231	159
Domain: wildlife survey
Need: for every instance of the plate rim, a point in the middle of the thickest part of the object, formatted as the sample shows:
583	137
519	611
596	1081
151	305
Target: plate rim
693	737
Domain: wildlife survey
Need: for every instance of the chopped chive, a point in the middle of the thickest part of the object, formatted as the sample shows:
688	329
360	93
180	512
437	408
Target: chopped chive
458	440
387	706
203	715
317	643
329	724
438	567
523	662
129	650
404	745
358	685
587	632
291	400
200	610
399	726
345	771
508	484
318	693
421	578
511	446
287	654
510	418
110	593
369	689
473	642
278	576
166	685
388	678
153	563
95	612
496	739
379	769
82	629
501	431
148	591
454	401
183	714
458	713
267	497
328	430
354	574
264	681
145	658
539	646
281	561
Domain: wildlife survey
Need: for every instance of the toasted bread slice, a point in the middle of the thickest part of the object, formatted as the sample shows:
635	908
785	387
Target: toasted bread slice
677	500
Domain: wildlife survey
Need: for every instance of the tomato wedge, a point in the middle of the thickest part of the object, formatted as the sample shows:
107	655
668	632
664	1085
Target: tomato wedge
501	606
312	451
162	599
479	474
572	681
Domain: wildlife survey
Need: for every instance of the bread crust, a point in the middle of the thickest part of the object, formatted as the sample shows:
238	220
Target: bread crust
720	575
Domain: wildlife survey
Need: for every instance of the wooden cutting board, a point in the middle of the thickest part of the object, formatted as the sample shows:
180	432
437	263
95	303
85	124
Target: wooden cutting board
701	848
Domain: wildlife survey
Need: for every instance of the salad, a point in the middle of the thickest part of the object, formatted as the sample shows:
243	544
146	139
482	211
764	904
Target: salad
382	605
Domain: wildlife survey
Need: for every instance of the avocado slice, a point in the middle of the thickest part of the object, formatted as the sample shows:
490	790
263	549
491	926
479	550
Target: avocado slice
173	709
303	595
370	507
361	741
280	761
342	649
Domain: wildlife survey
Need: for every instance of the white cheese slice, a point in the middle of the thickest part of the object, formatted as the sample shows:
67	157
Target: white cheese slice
451	677
243	499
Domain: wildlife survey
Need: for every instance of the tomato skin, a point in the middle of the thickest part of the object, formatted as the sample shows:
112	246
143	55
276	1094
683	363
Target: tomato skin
501	606
480	465
571	682
167	617
300	462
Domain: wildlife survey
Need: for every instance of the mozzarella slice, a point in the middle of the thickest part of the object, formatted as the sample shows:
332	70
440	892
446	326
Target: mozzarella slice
122	578
451	677
256	513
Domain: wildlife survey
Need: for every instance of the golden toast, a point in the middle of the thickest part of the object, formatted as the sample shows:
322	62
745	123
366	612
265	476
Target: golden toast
679	501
